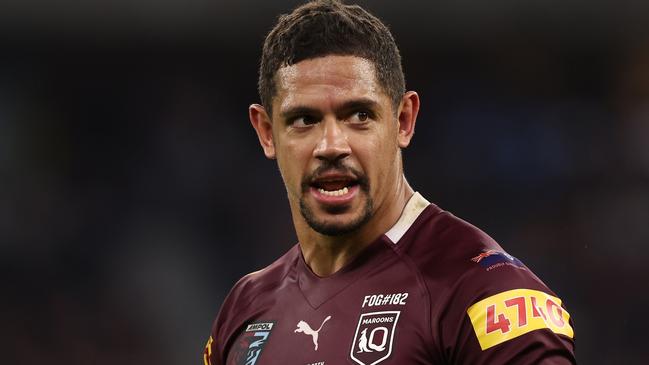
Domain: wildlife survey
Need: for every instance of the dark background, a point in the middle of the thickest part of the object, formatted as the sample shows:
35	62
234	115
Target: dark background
133	192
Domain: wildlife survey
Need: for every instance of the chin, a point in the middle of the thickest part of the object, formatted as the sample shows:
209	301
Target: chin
333	229
338	226
336	221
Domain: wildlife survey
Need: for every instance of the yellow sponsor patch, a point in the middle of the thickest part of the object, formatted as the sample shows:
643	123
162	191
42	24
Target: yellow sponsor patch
208	352
513	313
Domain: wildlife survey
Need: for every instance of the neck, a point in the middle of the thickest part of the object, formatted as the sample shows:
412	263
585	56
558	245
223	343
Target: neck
325	255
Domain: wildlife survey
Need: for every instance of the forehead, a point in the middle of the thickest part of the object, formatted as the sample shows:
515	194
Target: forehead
326	80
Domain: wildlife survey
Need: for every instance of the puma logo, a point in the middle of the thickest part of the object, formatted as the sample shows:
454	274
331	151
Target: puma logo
304	327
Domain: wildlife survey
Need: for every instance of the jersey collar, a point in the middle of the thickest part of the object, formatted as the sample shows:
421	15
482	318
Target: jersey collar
317	290
411	211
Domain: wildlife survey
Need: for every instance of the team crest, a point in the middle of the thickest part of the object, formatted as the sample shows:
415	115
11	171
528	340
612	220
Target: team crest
250	344
374	336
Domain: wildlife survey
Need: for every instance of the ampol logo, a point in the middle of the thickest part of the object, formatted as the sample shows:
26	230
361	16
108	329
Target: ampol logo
251	342
374	336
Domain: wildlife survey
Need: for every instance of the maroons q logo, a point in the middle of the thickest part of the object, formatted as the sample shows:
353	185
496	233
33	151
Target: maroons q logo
373	338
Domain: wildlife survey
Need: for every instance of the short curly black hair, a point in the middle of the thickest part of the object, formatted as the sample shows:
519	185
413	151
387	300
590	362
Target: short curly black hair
329	27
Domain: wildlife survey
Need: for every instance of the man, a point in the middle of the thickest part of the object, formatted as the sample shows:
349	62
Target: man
380	275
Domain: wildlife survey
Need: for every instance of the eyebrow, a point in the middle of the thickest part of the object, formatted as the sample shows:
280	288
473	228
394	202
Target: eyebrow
360	103
298	110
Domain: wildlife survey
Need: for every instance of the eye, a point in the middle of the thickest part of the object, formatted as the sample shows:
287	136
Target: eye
303	121
360	117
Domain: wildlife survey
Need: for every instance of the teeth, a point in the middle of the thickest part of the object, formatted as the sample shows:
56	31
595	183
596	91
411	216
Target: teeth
338	192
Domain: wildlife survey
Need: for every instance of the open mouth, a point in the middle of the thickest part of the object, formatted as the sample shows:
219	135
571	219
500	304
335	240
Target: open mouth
334	186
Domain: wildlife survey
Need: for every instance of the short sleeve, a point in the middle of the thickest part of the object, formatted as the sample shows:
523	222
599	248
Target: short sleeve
501	313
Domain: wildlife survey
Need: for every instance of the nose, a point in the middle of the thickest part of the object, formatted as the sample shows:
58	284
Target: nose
333	144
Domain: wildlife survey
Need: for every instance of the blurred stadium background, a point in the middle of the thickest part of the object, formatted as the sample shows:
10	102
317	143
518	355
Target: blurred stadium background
133	192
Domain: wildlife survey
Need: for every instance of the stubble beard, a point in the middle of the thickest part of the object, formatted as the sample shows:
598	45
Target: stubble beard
337	229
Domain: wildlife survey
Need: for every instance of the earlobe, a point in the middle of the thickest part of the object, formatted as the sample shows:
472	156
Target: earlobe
262	124
408	118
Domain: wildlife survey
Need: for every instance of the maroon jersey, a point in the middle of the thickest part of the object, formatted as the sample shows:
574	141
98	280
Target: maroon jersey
432	290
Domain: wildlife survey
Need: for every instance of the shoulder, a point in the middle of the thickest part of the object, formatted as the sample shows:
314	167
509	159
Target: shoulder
461	262
499	309
446	250
257	282
450	249
443	245
483	297
236	305
249	287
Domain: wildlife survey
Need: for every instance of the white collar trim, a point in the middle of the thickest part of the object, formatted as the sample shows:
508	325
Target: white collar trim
411	211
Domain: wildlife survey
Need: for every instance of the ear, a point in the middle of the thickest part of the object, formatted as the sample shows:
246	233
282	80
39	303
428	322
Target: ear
261	122
407	118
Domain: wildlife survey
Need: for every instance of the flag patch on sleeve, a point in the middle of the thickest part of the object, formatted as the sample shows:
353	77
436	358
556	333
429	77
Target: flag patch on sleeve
513	313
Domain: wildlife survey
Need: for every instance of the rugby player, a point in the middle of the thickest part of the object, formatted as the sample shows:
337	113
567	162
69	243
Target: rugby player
379	275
